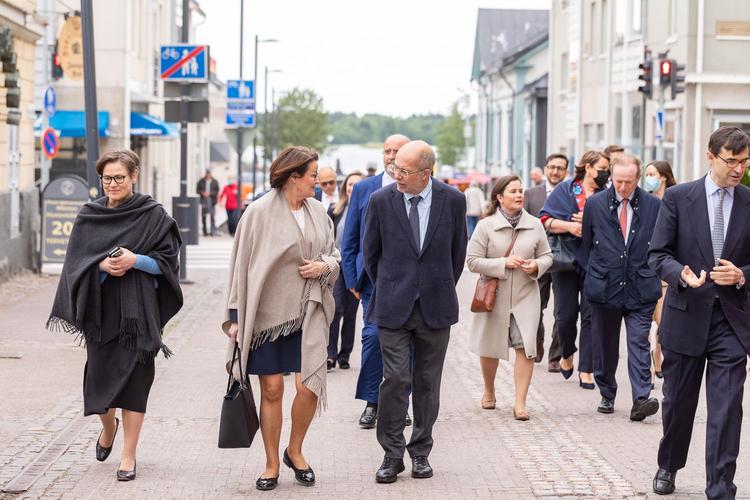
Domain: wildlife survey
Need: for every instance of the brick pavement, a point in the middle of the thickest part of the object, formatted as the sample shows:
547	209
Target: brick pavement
566	450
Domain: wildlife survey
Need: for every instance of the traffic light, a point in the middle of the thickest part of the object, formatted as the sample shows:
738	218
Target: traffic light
665	72
678	78
57	71
647	77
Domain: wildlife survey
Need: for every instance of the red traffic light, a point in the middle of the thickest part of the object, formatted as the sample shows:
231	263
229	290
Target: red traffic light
666	67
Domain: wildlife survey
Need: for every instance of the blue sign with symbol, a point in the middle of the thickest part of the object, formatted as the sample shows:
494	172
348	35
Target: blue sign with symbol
187	63
241	113
660	124
241	89
50	101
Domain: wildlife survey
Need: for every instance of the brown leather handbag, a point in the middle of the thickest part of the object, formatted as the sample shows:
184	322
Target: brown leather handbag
486	291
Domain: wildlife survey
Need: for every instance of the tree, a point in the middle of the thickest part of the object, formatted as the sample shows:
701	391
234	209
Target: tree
450	139
302	120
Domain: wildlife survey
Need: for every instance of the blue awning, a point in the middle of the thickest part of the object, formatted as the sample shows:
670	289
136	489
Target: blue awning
143	124
73	123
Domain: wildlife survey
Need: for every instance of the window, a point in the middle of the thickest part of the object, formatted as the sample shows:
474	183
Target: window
672	18
588	134
635	16
564	72
600	133
618	125
635	125
603	25
591	35
621	12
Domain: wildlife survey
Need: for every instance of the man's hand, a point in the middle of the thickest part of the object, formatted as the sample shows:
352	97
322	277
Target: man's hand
689	277
234	328
530	266
513	262
355	293
726	273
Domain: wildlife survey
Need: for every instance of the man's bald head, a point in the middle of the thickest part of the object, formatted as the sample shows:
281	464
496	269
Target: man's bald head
327	180
390	147
417	158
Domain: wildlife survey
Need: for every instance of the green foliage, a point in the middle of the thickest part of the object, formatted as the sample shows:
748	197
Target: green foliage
302	120
746	177
348	128
450	140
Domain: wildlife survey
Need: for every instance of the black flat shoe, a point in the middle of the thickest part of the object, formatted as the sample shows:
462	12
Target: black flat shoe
585	385
389	470
664	482
330	364
606	406
369	417
344	365
420	468
305	477
659	374
267	483
126	475
642	408
101	452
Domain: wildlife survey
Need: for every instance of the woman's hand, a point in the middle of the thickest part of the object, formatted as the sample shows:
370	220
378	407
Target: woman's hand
530	266
106	266
312	269
234	328
514	262
123	263
575	228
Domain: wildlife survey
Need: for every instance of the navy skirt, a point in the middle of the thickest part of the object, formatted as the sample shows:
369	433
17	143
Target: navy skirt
280	356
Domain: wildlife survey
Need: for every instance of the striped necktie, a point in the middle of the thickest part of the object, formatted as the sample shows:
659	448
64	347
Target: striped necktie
717	234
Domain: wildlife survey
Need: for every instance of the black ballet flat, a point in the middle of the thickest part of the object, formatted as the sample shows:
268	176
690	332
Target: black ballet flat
267	483
102	453
126	475
305	477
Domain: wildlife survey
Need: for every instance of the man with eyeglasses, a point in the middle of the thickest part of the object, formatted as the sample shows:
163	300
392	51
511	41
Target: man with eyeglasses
701	249
358	283
555	171
329	193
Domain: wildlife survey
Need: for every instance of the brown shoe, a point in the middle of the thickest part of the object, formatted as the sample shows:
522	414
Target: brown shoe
553	367
539	354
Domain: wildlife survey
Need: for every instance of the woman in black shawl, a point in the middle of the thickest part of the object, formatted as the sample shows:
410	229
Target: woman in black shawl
119	287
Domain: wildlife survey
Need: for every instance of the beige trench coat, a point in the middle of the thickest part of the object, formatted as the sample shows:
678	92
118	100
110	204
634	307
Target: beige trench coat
517	292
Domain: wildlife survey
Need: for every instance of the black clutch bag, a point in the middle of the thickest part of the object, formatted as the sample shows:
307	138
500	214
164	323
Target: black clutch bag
239	417
563	248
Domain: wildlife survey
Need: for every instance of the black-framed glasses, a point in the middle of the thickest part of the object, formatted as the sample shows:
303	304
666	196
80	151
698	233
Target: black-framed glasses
733	162
556	168
118	179
404	172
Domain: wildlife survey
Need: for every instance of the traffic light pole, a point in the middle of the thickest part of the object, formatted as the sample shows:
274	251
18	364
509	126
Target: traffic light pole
184	212
89	91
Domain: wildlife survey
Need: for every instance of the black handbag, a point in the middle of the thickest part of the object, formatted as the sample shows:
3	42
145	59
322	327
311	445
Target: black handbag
239	417
563	248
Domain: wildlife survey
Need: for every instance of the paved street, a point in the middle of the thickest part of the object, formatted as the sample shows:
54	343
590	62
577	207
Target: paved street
565	450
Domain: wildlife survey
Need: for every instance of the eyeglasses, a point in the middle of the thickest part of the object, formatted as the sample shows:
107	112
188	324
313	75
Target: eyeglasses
387	152
733	162
556	168
404	172
327	183
107	179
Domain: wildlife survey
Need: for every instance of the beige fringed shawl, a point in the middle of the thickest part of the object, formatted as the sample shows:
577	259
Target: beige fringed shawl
265	286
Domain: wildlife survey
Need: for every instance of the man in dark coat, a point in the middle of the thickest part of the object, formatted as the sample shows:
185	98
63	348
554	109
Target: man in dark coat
208	190
701	249
617	228
415	246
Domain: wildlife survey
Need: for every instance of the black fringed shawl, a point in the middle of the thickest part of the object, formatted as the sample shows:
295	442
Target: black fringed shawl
142	226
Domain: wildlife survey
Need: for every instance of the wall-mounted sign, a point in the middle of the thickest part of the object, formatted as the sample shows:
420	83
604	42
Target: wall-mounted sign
70	48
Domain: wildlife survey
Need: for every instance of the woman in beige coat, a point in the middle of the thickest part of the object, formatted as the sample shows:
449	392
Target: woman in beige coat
514	320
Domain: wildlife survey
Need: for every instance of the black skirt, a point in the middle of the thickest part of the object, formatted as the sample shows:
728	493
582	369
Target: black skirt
280	356
113	377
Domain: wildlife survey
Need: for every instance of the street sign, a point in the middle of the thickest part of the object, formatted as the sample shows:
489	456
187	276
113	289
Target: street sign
660	124
50	143
241	113
234	134
184	62
62	198
241	89
50	101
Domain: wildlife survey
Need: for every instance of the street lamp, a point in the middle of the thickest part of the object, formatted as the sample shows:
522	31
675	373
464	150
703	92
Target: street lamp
255	138
265	121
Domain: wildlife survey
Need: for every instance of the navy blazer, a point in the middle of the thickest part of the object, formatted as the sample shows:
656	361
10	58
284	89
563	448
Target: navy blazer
400	272
617	275
352	257
683	237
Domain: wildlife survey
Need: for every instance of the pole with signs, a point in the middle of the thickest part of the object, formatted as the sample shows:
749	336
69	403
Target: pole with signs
89	91
182	221
240	149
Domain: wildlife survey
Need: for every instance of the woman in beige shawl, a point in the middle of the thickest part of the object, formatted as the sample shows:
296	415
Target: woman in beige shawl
280	303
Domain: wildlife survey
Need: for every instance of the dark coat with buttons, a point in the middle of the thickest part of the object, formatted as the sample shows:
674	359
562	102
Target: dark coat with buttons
618	275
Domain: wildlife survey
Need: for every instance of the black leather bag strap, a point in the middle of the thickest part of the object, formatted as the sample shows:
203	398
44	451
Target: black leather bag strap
239	365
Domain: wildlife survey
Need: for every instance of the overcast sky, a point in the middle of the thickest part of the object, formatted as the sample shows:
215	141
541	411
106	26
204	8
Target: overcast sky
396	57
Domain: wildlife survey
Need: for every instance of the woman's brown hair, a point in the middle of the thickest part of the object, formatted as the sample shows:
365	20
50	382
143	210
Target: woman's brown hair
292	160
589	158
343	197
499	189
665	170
126	157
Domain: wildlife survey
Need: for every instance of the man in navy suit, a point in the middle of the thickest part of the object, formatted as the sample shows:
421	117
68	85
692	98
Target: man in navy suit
617	229
703	227
356	280
415	246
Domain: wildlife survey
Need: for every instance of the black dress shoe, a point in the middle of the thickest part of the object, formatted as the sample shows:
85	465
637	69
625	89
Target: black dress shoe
344	365
642	408
369	417
305	477
664	482
606	406
389	470
420	468
407	420
330	364
267	483
103	452
126	475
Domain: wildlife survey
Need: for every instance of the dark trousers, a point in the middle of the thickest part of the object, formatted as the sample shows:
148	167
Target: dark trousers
429	347
605	328
725	379
568	288
545	284
371	371
232	217
344	320
208	213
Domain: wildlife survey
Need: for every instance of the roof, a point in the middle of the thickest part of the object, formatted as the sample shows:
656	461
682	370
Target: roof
503	35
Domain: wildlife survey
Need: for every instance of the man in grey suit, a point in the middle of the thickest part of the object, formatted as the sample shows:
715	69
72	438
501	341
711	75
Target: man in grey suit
555	171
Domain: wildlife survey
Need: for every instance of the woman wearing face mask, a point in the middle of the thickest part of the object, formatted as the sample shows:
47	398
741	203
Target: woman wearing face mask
562	214
658	178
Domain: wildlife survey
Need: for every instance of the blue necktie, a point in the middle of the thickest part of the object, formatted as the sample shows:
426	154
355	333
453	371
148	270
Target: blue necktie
414	219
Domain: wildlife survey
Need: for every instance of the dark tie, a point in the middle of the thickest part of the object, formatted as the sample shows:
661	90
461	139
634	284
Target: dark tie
414	219
717	235
624	219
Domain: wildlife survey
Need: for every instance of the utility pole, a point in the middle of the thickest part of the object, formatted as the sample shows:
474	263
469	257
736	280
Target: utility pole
240	146
184	103
255	135
89	91
266	142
